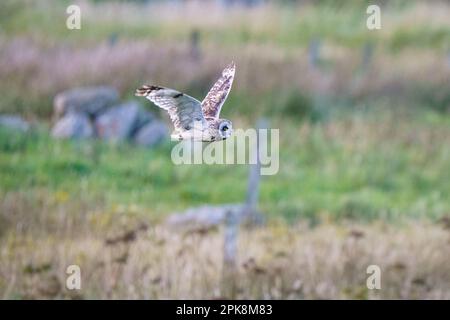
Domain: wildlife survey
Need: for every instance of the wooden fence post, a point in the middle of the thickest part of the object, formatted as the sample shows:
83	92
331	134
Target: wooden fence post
233	219
314	53
230	255
367	55
195	45
251	203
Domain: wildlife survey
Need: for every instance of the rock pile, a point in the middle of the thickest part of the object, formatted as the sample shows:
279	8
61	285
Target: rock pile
13	122
97	112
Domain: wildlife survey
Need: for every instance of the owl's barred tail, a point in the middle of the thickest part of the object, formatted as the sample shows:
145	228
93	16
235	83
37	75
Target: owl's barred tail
146	90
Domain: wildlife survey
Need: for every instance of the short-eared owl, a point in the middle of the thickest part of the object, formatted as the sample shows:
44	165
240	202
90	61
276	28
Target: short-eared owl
191	118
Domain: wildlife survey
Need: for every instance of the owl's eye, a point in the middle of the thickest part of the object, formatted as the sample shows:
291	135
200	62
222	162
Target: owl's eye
225	129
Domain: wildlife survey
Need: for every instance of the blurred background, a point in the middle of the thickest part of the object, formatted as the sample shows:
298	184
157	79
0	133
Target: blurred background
86	176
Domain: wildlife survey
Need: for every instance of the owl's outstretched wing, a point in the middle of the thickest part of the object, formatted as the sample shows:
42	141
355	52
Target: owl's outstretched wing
183	109
214	100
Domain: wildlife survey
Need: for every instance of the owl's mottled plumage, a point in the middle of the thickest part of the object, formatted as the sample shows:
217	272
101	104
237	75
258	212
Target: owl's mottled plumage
214	100
192	119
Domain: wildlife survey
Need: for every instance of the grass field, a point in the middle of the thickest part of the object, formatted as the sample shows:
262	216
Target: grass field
361	167
364	151
275	262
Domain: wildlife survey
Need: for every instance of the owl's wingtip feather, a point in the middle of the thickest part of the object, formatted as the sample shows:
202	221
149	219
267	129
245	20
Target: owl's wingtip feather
230	69
145	90
140	92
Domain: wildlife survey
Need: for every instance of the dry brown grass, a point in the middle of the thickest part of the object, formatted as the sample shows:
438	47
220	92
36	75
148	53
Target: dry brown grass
124	255
268	43
41	71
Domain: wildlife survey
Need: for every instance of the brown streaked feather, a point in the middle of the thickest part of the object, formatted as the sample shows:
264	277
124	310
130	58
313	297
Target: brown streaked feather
183	109
214	100
146	90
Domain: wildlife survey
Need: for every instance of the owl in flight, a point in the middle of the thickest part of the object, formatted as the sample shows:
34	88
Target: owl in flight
192	119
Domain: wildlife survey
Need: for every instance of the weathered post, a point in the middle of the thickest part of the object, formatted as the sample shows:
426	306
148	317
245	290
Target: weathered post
233	219
230	255
314	53
367	54
448	60
195	45
251	213
112	39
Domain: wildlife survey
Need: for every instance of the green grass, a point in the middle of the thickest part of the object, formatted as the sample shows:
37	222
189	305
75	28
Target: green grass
388	174
290	26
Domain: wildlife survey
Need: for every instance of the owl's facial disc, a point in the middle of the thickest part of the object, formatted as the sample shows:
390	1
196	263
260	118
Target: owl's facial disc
225	129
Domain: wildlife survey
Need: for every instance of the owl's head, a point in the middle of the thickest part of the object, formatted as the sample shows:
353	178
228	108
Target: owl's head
225	128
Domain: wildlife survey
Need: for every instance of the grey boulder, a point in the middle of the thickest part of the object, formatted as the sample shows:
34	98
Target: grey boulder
73	126
121	122
152	133
204	216
89	100
13	122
